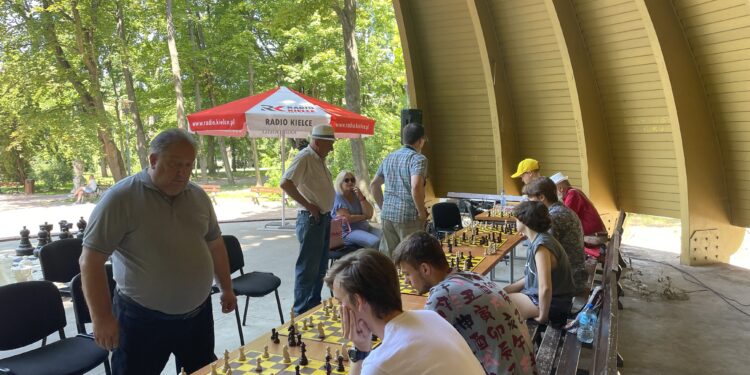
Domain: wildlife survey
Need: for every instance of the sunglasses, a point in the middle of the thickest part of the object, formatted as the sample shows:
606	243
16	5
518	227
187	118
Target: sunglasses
348	180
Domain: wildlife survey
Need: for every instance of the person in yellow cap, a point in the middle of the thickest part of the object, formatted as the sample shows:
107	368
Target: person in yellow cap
528	169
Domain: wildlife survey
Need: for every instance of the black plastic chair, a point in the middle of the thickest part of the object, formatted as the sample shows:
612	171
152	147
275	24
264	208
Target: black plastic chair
446	217
59	261
253	284
31	311
80	307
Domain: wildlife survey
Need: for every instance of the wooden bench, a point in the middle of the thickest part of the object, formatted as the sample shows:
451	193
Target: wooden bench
558	351
211	190
257	191
11	185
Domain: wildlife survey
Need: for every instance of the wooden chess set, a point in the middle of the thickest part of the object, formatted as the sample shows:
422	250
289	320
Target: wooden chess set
264	363
322	324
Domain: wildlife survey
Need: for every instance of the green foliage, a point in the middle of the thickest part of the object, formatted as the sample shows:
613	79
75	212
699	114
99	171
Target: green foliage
52	173
43	125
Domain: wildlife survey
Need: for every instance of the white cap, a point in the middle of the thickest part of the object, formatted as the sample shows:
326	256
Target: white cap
558	177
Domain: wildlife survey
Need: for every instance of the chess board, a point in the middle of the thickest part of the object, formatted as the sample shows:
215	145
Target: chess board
333	329
274	365
451	258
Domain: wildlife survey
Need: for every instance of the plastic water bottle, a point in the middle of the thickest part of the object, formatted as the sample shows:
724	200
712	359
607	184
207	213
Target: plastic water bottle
503	202
587	324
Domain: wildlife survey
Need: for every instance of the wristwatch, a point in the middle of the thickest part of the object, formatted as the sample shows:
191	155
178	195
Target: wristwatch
356	355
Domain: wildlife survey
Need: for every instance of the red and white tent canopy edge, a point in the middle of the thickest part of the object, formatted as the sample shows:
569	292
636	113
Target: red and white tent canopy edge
242	117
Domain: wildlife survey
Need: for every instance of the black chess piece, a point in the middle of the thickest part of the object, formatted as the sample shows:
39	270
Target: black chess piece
25	247
274	336
296	370
292	340
81	225
463	236
340	360
328	366
450	248
303	358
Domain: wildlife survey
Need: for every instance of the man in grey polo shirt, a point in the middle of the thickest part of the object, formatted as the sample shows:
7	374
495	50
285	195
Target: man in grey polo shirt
308	181
166	247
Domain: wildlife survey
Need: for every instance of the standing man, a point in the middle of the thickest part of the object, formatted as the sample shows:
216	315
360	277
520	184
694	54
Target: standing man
166	247
528	169
566	228
479	310
404	172
414	342
308	181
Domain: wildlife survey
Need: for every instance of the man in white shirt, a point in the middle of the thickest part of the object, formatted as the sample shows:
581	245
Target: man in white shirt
308	181
413	342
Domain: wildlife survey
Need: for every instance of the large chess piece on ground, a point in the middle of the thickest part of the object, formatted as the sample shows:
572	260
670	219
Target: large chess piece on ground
81	224
25	247
42	237
65	229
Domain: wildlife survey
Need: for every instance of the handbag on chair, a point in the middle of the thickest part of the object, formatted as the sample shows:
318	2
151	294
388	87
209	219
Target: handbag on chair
338	232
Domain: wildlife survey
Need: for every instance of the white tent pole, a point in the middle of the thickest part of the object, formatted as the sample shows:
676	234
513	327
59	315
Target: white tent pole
283	169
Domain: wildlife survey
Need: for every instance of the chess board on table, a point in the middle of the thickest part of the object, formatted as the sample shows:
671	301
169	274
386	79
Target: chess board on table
332	328
452	259
274	365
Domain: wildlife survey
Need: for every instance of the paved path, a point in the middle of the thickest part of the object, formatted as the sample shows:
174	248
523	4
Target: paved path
18	210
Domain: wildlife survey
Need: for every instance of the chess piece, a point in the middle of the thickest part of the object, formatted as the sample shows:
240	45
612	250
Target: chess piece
292	339
81	225
64	229
229	371
258	367
213	369
285	354
226	360
274	336
344	349
305	327
296	370
265	352
182	372
328	353
242	357
340	360
321	331
25	247
303	358
467	264
328	365
299	339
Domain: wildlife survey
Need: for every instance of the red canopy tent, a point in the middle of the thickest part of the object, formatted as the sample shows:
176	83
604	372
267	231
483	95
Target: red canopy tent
279	113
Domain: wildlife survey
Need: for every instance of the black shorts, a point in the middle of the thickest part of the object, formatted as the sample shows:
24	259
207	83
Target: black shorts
559	308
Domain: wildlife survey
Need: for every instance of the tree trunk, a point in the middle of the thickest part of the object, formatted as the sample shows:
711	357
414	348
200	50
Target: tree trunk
124	133
90	92
253	141
212	99
202	159
174	57
141	142
78	179
103	167
348	17
211	153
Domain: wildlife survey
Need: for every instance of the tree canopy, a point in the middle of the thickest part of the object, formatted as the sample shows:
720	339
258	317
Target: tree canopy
65	66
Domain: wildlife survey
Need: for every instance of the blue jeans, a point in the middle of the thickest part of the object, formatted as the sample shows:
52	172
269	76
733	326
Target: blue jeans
364	238
312	263
148	337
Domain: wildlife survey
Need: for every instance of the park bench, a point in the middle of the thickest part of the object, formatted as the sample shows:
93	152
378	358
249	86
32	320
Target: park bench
11	185
211	190
558	351
256	192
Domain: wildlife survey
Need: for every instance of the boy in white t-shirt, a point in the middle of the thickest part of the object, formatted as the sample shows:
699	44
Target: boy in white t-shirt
413	342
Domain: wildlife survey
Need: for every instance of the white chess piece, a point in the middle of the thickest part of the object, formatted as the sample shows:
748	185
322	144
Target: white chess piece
285	354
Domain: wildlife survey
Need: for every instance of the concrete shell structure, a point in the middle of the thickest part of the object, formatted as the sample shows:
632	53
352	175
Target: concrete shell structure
645	104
